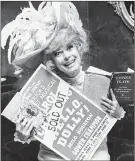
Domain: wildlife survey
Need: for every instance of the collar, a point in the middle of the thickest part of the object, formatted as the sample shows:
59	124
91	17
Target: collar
78	80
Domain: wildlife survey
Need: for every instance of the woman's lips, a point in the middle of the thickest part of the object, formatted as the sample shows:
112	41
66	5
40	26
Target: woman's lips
70	63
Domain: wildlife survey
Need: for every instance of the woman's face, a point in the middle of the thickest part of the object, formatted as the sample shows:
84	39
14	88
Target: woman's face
68	60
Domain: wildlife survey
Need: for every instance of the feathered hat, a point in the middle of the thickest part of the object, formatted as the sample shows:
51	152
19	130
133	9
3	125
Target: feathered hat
33	30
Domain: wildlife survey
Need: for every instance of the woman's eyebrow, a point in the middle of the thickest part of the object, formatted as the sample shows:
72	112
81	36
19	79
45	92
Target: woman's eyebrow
67	45
59	50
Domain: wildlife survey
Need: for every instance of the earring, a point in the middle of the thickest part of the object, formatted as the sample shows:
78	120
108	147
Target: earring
18	71
50	65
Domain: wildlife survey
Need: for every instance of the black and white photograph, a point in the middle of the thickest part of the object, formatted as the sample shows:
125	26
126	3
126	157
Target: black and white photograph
67	80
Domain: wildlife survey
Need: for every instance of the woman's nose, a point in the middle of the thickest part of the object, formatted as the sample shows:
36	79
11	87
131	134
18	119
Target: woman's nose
67	54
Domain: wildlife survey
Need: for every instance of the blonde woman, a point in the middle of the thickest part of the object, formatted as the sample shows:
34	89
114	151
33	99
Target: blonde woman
65	49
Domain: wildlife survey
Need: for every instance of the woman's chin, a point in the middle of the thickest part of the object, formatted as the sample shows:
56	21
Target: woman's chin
73	72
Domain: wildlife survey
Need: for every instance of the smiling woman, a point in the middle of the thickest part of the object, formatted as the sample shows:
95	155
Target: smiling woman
65	44
68	61
66	51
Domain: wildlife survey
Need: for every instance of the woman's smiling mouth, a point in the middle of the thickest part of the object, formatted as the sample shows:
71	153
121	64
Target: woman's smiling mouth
69	63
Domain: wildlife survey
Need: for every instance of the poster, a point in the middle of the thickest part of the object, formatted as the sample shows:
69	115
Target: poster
74	123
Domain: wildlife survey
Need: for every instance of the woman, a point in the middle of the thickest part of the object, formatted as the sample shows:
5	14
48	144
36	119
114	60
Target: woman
65	51
65	59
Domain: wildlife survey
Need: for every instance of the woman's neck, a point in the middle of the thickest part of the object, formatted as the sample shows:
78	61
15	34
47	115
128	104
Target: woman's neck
74	73
78	79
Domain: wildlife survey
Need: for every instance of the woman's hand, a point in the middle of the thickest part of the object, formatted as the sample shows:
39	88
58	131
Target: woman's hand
112	106
24	128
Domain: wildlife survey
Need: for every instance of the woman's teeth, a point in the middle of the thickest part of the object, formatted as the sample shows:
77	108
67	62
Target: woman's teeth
69	63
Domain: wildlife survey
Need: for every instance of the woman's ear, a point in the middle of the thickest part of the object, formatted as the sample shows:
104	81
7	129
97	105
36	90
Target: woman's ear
50	65
79	48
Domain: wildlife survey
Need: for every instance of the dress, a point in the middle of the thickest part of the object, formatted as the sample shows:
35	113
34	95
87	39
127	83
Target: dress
102	152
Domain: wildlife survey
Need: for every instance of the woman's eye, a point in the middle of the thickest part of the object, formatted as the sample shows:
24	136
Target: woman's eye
70	47
58	53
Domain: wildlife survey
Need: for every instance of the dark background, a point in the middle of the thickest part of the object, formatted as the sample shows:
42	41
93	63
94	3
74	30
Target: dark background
111	49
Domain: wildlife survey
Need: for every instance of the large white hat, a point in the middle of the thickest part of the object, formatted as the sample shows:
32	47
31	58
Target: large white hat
33	30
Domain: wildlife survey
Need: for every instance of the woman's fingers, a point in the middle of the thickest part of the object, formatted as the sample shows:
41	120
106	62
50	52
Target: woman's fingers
105	104
107	100
113	96
28	131
29	124
18	127
24	122
109	106
25	126
111	112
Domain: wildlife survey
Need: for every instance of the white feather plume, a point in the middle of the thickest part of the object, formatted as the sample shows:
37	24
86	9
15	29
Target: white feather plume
33	30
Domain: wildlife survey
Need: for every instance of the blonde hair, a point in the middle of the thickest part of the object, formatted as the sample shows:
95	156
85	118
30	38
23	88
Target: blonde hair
66	36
